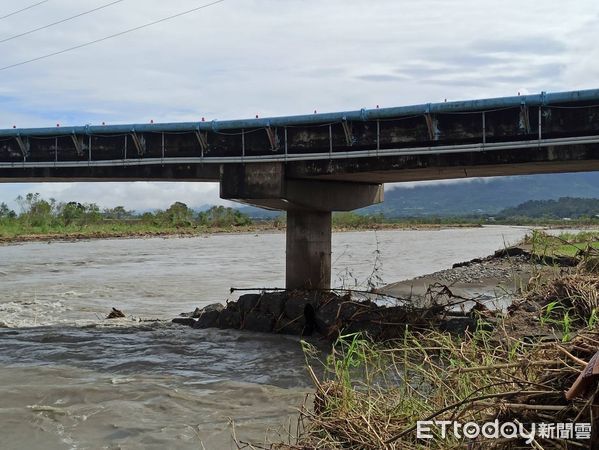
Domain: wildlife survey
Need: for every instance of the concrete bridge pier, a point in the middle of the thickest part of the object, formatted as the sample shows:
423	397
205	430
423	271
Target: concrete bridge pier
308	249
309	205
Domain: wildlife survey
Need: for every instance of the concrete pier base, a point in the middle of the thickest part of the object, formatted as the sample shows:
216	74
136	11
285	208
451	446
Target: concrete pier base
308	203
308	250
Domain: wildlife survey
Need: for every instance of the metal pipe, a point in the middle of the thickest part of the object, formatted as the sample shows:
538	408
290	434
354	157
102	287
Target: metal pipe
242	144
286	148
319	119
330	141
484	128
378	136
540	122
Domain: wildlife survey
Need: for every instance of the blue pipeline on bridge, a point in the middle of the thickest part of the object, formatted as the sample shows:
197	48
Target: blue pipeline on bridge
194	150
542	99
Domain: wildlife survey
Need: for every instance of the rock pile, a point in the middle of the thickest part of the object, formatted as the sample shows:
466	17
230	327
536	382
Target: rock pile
304	313
493	267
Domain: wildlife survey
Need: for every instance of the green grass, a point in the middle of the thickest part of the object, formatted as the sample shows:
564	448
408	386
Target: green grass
370	395
565	244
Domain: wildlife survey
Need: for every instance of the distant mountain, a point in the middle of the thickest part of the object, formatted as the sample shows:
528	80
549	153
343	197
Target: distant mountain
467	197
554	209
483	196
253	212
259	213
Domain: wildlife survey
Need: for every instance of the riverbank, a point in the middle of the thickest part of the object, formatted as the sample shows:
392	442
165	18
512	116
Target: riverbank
15	234
140	232
447	352
530	368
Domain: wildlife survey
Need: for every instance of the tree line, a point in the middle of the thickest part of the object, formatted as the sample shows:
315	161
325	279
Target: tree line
38	212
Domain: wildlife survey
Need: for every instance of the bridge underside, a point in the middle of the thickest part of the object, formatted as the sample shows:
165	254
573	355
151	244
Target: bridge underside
375	170
440	166
313	165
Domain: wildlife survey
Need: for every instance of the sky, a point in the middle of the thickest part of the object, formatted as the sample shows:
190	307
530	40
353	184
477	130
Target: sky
240	58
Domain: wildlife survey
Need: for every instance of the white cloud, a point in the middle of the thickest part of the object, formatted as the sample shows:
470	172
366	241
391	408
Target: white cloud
413	184
267	57
139	196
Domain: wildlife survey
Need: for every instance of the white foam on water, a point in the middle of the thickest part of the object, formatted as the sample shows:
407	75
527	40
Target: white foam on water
28	310
122	380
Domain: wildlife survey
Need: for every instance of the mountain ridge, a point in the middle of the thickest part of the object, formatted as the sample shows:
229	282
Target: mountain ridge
479	196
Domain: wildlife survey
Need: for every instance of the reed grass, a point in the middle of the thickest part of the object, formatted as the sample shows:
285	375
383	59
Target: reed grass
370	395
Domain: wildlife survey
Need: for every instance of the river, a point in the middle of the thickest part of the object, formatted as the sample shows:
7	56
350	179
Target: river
71	380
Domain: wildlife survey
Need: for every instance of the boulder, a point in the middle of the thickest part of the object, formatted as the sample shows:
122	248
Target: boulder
372	329
231	306
208	319
328	315
208	308
338	312
296	304
187	321
273	303
247	303
229	318
289	326
310	318
352	309
257	321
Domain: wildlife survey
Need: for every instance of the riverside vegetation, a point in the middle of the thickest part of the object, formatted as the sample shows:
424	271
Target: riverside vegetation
41	218
518	365
47	218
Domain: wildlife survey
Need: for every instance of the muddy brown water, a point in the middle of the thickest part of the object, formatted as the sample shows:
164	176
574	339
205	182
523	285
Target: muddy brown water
71	380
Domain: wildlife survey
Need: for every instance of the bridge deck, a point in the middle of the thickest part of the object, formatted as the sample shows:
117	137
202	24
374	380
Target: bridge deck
525	124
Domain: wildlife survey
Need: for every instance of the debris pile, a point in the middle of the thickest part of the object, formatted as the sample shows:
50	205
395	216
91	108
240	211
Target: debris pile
328	314
115	314
372	396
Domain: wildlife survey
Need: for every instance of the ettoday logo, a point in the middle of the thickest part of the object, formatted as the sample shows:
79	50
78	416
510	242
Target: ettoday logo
425	429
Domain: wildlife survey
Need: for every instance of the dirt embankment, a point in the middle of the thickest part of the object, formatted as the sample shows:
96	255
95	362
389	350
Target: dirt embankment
258	227
131	234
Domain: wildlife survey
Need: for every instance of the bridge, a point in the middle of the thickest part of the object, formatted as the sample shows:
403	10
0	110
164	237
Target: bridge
311	165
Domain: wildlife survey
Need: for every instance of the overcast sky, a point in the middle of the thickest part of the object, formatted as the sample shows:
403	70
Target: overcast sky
273	57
